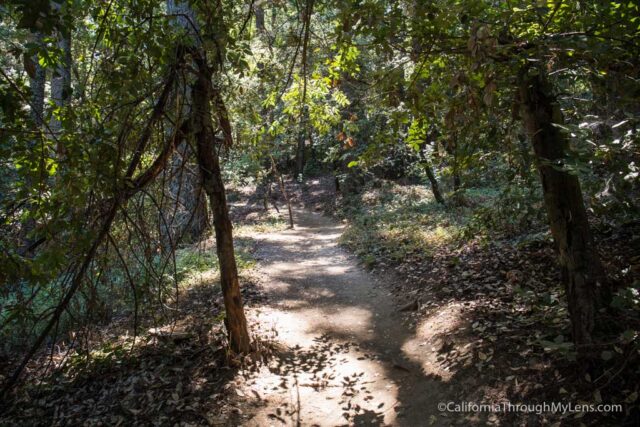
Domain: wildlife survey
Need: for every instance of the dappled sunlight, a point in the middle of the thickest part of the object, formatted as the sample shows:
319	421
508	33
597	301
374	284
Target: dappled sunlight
307	390
433	341
310	213
315	376
303	323
279	286
336	339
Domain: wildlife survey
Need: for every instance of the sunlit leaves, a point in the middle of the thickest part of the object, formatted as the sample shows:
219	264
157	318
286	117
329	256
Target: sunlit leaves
417	134
322	102
344	62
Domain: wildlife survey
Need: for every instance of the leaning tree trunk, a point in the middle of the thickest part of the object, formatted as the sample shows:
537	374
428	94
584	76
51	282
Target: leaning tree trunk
435	187
582	271
208	160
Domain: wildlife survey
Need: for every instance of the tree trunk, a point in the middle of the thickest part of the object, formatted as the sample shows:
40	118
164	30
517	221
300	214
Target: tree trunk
208	161
582	271
417	15
457	182
258	11
435	188
283	189
304	113
37	82
300	160
189	215
452	149
61	84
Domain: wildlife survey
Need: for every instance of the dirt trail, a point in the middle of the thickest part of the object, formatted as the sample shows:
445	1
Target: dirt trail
347	359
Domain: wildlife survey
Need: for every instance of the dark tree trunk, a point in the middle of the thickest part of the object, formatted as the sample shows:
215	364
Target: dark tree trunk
208	160
36	84
304	113
435	188
457	182
300	156
61	83
582	271
283	189
258	11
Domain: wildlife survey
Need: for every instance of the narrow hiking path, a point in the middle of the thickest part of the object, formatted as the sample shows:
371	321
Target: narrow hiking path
345	357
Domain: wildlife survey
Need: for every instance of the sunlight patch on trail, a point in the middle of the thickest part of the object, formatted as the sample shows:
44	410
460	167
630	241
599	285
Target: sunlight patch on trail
334	337
431	344
319	380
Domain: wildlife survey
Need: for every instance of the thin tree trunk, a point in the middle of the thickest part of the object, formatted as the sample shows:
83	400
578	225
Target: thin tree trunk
435	188
455	167
283	189
37	82
417	15
304	113
61	84
583	273
300	160
258	11
208	161
457	182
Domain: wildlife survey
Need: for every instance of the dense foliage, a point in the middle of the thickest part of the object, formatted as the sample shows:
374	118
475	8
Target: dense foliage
113	115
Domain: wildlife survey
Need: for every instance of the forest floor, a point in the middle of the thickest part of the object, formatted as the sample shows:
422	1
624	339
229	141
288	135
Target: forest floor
354	324
414	320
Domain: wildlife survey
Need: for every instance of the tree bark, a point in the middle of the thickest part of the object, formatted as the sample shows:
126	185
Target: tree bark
189	215
304	113
283	189
582	271
435	188
61	83
208	161
258	11
37	82
300	155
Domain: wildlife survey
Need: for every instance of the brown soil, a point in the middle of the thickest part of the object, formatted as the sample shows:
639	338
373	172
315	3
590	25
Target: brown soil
345	355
